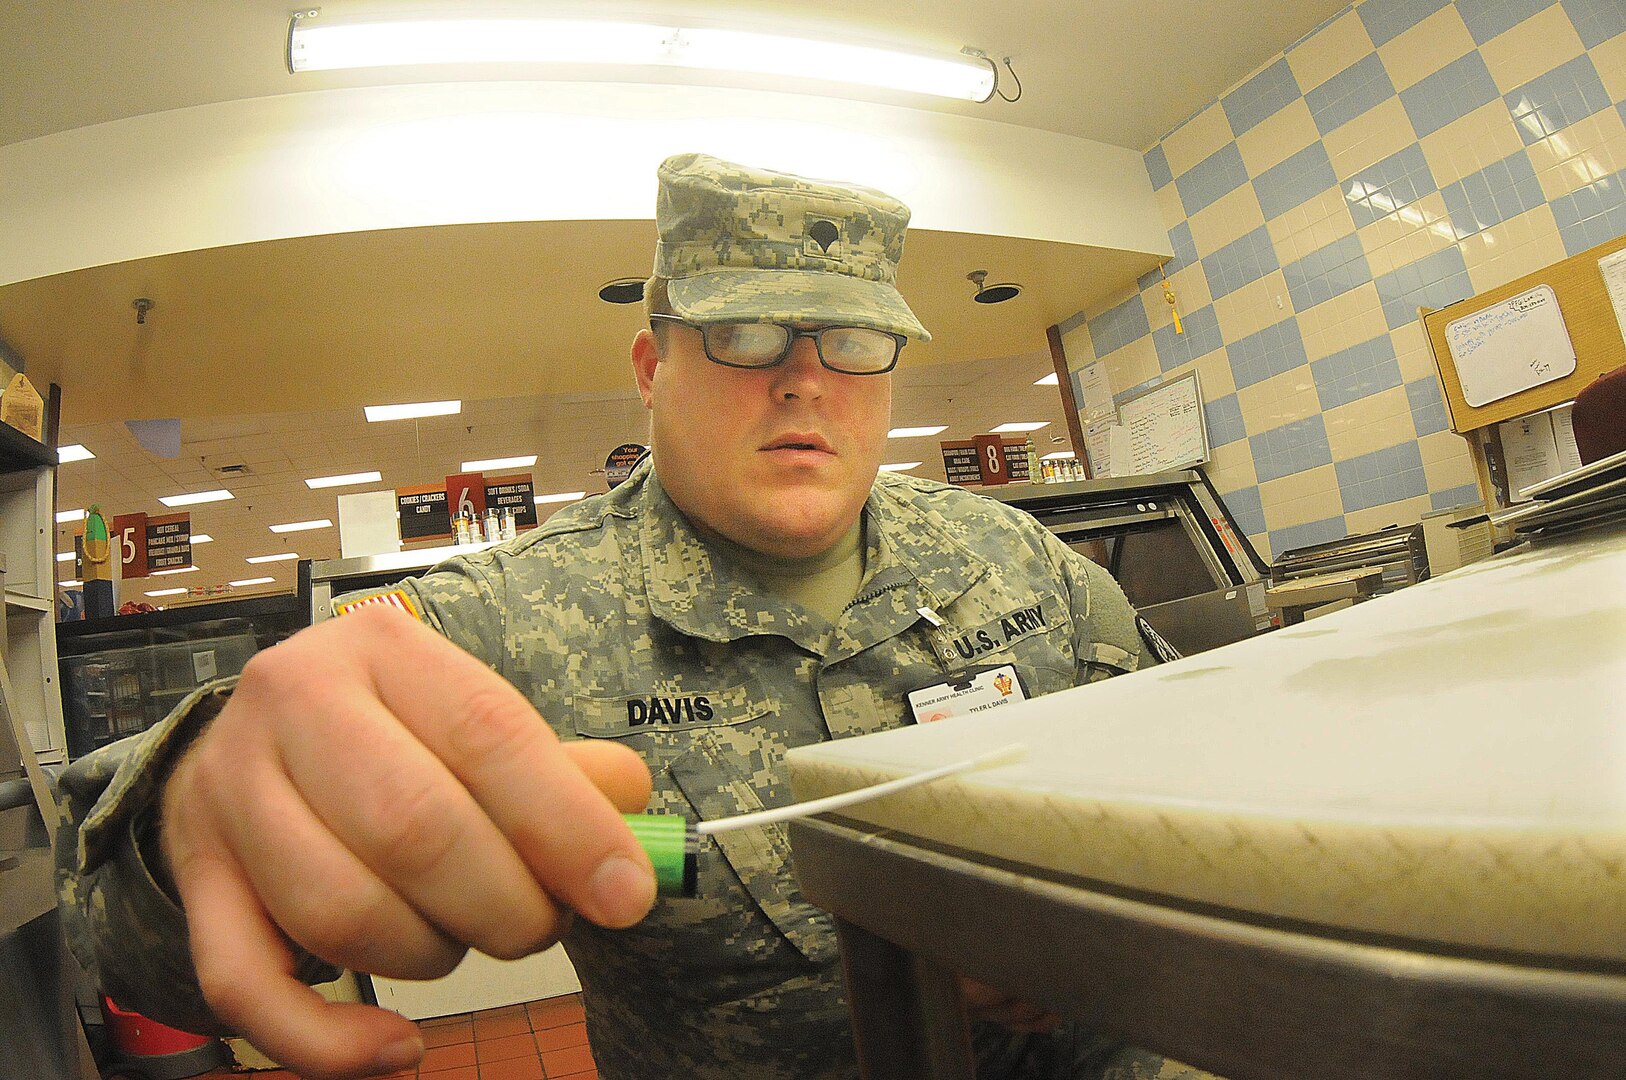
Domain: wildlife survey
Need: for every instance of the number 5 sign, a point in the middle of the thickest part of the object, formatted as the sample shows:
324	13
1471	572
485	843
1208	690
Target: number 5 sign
129	536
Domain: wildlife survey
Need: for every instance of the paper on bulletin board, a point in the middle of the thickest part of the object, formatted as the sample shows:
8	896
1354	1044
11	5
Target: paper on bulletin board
1613	268
1511	346
1098	445
1097	393
1537	447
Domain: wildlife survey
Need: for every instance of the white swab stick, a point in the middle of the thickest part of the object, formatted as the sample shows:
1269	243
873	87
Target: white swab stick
1001	756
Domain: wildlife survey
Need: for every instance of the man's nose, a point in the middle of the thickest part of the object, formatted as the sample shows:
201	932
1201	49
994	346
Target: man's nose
802	375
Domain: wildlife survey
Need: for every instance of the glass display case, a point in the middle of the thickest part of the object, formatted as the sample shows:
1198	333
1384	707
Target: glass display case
120	676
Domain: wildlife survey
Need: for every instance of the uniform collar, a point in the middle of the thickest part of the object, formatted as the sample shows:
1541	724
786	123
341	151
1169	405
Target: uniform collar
696	590
909	561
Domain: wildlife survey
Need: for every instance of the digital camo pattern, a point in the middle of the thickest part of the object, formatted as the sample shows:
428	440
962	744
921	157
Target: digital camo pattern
617	621
744	244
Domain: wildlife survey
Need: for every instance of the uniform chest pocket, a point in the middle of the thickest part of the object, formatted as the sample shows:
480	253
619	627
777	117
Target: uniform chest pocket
724	774
1037	637
665	711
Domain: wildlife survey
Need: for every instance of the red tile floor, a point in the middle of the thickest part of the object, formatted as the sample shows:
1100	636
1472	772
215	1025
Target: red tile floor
540	1040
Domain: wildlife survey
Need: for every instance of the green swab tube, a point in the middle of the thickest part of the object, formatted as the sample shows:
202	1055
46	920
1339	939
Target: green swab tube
674	849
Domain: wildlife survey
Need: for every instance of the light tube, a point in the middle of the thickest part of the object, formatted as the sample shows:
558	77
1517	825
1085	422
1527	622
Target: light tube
72	452
341	481
916	432
248	581
314	45
523	461
900	466
302	526
411	411
1048	380
560	497
166	592
1005	429
282	557
220	495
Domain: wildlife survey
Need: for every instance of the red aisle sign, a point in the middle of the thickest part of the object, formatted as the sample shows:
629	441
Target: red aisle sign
466	493
129	539
991	459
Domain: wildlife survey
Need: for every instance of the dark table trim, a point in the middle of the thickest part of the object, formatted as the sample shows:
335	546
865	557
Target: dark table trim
1244	1000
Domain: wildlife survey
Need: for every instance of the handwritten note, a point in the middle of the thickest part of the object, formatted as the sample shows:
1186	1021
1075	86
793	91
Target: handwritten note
1511	346
1165	426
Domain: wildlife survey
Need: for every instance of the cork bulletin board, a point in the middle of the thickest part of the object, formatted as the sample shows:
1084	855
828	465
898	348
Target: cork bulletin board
1588	319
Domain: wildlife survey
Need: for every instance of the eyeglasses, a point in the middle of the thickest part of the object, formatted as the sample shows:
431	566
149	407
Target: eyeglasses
848	350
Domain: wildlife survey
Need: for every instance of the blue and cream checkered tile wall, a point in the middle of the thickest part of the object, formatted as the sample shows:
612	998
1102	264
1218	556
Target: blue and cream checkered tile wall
1405	154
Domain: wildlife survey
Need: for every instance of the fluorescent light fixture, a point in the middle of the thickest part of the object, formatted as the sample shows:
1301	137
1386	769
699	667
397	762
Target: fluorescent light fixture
521	462
64	556
319	44
166	592
248	581
220	495
280	557
74	452
1006	429
1048	380
561	496
341	481
69	584
916	432
1059	455
412	411
900	466
202	538
65	516
173	570
302	526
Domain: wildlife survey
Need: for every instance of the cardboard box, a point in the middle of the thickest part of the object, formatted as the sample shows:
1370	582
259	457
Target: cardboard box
22	407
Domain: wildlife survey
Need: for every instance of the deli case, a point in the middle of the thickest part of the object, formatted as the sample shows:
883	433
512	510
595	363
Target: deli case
121	675
1171	544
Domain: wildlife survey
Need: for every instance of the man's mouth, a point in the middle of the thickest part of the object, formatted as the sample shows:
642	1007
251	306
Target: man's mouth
799	441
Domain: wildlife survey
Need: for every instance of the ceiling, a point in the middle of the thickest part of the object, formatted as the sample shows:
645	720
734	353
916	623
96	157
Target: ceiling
266	351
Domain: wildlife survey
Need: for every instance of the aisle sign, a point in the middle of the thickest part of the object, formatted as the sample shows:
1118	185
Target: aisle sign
991	459
971	461
515	493
169	542
129	536
422	512
466	494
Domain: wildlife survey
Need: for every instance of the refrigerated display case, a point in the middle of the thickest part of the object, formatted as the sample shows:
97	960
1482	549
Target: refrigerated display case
1171	544
121	675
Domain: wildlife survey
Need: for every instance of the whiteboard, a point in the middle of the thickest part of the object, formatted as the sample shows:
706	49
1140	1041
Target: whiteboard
1166	428
1511	346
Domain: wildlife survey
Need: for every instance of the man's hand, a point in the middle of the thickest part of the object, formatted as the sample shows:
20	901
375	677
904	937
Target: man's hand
384	800
983	1002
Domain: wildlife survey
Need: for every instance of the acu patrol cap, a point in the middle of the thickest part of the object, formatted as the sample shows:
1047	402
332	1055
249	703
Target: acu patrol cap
739	244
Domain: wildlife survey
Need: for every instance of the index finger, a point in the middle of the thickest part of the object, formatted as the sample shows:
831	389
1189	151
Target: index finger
569	835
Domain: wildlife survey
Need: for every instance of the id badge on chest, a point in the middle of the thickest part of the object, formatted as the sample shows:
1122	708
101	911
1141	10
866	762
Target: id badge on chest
967	693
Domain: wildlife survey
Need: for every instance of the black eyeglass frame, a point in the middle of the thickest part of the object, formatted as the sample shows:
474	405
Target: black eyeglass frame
899	341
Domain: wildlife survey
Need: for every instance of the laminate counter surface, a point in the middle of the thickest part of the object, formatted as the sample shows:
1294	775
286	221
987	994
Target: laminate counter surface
1444	765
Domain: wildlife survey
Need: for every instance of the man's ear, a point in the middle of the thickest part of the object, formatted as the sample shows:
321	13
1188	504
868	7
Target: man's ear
646	354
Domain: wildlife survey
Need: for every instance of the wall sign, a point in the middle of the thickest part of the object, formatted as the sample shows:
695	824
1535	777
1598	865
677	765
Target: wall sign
514	493
466	494
169	542
622	460
129	536
987	459
422	512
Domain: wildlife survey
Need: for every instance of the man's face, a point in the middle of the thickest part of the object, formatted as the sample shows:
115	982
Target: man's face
778	460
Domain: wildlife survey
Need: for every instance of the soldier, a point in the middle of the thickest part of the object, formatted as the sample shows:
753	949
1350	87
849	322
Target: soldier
381	792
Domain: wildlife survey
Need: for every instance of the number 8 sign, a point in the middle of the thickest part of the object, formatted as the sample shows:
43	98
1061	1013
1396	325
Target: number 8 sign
991	459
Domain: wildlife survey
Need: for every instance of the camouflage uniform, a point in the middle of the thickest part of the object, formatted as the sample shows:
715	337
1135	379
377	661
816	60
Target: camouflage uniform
617	622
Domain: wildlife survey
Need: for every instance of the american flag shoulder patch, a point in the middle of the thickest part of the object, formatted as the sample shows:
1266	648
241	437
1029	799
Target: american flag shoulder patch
396	598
